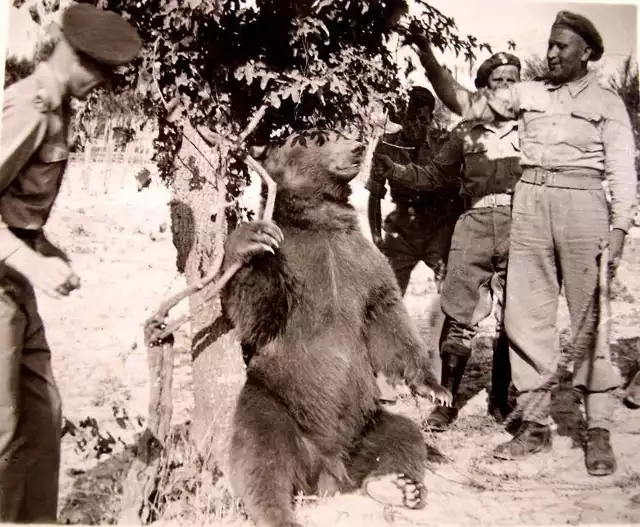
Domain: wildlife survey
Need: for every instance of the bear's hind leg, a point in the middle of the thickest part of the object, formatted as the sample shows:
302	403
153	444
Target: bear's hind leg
390	462
268	458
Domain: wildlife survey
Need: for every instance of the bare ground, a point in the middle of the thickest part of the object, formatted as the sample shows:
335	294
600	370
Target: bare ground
119	241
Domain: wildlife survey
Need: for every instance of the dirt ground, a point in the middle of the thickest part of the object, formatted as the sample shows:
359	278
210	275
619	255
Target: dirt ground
119	241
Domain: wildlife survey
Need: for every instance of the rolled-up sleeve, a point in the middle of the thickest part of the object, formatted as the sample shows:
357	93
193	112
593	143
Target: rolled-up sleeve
619	163
22	131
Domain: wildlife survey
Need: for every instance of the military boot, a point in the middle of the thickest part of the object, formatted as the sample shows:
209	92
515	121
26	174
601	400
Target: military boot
531	438
632	395
599	456
452	370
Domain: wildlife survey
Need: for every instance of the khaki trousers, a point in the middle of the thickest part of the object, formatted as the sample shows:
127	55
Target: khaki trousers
555	238
30	409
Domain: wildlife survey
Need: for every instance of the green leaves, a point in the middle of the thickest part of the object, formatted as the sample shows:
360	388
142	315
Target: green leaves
316	63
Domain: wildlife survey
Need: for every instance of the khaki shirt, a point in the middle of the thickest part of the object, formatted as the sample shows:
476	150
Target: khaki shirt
577	125
480	157
33	152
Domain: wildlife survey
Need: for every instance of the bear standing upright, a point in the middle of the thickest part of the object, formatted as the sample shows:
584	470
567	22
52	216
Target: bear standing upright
318	312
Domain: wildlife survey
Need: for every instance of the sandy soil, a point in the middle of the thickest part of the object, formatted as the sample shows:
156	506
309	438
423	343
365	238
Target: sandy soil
120	244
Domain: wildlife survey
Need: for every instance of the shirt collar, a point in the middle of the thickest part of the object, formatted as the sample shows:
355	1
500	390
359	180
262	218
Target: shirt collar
574	87
49	95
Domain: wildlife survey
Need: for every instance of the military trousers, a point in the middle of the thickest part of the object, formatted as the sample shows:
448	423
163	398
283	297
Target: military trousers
555	236
411	237
30	409
476	274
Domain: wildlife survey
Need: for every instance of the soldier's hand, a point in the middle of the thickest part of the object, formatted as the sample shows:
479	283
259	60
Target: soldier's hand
415	36
50	275
616	245
388	165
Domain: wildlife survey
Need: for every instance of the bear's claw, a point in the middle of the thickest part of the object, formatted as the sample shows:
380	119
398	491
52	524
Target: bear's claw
384	489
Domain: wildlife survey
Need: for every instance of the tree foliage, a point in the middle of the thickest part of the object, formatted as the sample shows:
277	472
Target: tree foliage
314	63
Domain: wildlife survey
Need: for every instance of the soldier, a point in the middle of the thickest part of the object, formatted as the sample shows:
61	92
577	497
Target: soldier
33	155
574	133
483	159
421	226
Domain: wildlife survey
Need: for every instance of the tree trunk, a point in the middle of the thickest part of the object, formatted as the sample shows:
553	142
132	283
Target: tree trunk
218	370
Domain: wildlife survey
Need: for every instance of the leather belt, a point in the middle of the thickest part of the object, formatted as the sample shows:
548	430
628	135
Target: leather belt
491	201
582	179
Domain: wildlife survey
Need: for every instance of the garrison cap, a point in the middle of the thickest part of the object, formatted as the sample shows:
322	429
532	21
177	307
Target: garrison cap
103	36
583	27
498	59
419	97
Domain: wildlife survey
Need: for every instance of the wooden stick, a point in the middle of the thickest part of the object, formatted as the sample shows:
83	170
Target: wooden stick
156	329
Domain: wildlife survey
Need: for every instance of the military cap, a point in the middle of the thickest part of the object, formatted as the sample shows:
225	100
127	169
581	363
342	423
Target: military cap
583	27
420	97
103	36
498	59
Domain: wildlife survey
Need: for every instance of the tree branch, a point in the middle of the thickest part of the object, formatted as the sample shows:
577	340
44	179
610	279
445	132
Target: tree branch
156	330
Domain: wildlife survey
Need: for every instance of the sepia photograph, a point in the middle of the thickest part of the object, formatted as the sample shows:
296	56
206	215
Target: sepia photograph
308	263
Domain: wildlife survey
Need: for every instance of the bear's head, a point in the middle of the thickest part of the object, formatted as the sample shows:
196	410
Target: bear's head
313	163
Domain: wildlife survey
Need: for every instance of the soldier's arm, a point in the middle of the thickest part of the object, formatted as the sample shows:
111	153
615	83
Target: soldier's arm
453	95
442	171
619	149
23	130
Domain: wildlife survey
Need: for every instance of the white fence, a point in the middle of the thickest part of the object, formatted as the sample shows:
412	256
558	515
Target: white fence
100	169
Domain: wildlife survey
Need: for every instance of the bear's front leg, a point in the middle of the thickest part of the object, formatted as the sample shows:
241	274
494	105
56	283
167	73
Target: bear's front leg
396	349
260	296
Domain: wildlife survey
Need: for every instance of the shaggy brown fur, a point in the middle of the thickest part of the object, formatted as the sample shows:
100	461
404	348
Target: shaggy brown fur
316	320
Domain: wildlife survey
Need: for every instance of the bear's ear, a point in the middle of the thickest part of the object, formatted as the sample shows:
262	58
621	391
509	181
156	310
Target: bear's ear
258	152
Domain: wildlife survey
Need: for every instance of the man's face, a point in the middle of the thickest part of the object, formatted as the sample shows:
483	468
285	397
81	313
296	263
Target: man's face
567	55
503	77
85	76
421	115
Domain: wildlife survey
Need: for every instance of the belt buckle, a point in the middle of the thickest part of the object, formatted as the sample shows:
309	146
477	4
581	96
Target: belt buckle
543	177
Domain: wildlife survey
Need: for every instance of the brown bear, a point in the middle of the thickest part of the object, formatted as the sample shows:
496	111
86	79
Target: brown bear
318	313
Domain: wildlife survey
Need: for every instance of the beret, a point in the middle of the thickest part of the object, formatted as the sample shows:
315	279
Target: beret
420	96
499	59
102	35
583	27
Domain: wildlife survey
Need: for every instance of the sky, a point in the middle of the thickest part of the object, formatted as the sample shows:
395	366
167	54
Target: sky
528	24
494	21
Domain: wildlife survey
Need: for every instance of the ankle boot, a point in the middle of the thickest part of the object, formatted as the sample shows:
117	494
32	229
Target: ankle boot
531	438
599	456
453	367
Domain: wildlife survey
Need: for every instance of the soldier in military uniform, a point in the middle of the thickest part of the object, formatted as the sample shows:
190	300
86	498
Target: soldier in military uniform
421	226
482	159
33	156
574	133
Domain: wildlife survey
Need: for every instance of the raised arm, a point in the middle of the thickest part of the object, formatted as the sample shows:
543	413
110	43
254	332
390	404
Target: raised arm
453	95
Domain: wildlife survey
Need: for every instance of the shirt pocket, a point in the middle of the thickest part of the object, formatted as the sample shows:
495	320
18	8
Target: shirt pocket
583	130
534	117
477	159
